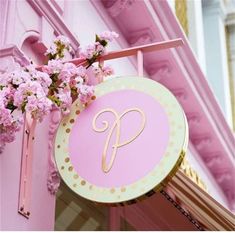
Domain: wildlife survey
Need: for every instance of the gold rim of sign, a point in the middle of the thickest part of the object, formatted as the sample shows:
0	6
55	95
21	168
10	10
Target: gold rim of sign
154	180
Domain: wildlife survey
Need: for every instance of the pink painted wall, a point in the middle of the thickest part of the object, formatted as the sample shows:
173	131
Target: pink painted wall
42	203
31	25
24	33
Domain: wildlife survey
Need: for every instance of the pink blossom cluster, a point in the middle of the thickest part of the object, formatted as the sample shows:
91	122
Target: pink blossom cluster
60	45
86	93
108	36
27	89
23	90
68	81
9	125
102	71
93	51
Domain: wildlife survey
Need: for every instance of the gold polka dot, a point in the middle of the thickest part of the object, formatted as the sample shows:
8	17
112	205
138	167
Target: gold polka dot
58	146
93	97
83	182
112	190
70	168
67	160
77	112
62	167
74	185
133	186
75	176
67	130
123	189
64	124
71	121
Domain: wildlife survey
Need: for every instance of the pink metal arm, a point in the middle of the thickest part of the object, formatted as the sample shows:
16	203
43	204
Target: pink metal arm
29	128
26	166
132	51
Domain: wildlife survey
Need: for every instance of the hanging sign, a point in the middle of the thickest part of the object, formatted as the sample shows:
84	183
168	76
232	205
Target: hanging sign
123	146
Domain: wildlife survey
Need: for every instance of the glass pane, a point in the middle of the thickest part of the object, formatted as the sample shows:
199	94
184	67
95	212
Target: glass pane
74	213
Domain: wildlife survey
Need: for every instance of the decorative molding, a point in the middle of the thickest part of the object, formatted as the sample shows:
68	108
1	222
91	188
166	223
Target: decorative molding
193	119
217	7
119	6
14	52
223	175
159	70
57	6
53	180
230	19
201	142
213	160
186	72
141	37
180	94
46	9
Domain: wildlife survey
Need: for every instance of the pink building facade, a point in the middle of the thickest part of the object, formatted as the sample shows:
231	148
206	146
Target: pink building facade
27	29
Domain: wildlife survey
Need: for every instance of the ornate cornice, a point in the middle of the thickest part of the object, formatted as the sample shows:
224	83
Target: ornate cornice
14	52
53	180
46	9
214	7
186	80
118	6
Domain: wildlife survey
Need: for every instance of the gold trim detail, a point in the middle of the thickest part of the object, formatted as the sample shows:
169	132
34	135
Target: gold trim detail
230	72
163	171
116	125
181	13
192	174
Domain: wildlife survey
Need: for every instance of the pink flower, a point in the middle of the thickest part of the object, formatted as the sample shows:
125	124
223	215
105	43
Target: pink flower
68	71
65	99
62	40
107	70
38	107
53	67
85	93
89	52
108	35
101	72
51	50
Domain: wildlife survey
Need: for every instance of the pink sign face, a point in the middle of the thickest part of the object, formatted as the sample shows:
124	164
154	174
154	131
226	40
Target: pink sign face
133	160
124	144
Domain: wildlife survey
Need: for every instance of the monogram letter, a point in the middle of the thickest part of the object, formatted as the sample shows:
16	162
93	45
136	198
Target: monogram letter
115	127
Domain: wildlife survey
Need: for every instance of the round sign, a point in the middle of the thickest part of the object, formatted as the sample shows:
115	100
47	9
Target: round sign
123	146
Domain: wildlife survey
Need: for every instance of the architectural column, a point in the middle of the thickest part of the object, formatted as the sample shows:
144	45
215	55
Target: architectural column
216	54
230	21
196	32
231	31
